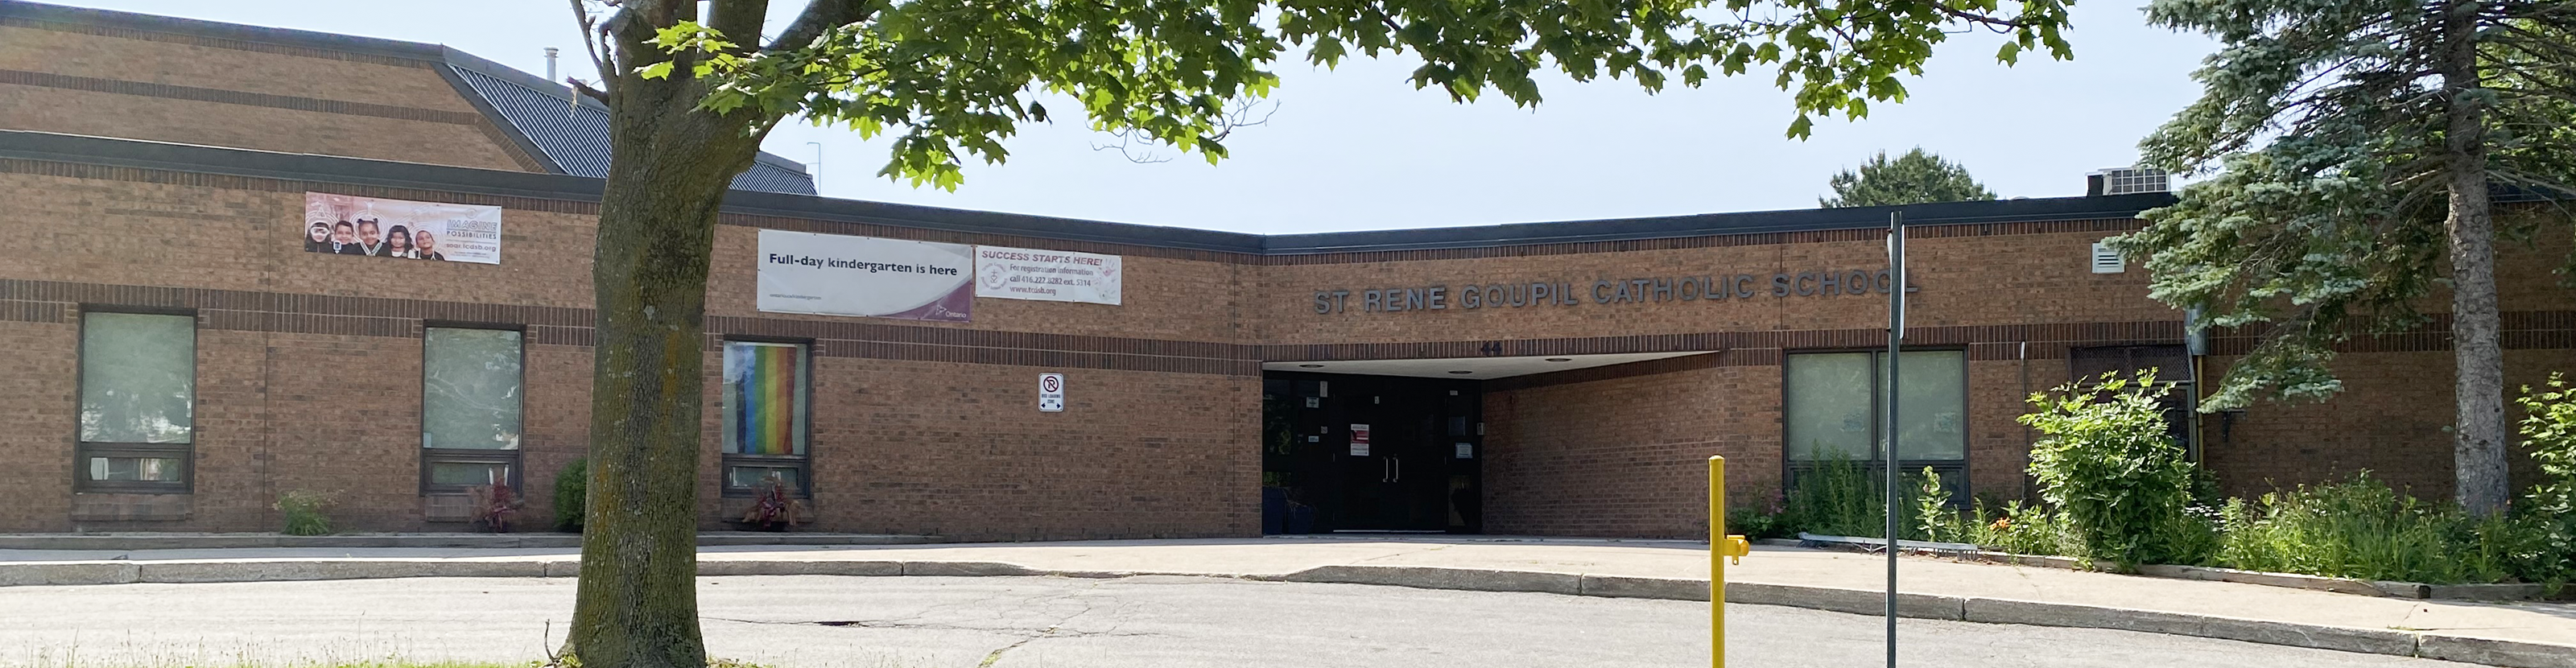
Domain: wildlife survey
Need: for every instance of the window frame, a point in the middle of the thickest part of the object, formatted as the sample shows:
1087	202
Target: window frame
726	460
511	457
2184	397
84	450
1954	472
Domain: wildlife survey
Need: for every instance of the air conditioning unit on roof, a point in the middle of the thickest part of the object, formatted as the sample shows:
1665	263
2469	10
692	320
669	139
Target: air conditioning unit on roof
2128	180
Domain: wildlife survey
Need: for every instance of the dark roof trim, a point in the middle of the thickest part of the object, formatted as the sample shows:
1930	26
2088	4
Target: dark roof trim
1750	222
192	158
333	169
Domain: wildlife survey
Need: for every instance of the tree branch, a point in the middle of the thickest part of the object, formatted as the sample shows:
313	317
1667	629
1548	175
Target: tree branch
739	21
592	41
819	17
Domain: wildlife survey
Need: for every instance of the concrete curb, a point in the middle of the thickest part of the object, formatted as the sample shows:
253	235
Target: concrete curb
1426	577
2507	653
2494	652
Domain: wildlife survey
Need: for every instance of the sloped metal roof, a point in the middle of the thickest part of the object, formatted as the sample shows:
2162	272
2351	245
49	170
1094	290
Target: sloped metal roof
574	136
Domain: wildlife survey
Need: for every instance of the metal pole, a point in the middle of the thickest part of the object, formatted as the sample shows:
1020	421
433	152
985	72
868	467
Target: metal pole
817	172
1717	552
1895	351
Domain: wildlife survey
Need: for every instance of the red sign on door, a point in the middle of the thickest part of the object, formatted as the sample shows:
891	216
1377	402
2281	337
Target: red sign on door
1359	440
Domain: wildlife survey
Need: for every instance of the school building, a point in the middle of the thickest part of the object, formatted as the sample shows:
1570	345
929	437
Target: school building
245	261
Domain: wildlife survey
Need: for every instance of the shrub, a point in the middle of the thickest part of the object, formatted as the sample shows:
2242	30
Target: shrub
2113	476
1838	497
2549	511
2358	529
572	495
1757	521
302	511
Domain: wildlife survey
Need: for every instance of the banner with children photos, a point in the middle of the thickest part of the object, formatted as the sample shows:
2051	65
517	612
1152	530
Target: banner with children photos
401	229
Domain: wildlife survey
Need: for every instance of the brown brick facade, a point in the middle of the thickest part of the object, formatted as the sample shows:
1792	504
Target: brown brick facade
82	79
309	367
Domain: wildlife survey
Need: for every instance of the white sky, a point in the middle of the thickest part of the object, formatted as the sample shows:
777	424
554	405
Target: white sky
1358	148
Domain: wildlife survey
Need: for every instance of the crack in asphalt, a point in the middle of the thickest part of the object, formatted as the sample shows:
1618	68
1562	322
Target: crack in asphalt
1089	598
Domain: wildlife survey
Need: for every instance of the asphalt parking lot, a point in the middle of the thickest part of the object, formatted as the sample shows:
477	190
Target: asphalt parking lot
912	622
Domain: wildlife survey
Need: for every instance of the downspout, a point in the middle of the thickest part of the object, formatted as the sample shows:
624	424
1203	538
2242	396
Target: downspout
2029	438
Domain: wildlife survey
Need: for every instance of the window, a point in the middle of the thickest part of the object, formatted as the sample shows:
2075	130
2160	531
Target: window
765	404
1832	407
2172	366
470	409
138	377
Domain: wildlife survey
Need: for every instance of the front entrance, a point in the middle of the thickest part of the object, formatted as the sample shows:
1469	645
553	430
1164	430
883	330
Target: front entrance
1370	453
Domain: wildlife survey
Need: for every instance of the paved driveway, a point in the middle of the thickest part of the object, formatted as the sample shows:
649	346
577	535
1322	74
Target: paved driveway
914	622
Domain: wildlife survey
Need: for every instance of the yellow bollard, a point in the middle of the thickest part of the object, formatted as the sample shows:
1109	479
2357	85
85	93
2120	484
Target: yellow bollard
1721	548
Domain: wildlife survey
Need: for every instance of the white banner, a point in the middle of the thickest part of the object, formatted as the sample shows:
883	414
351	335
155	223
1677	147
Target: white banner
401	229
1060	276
831	274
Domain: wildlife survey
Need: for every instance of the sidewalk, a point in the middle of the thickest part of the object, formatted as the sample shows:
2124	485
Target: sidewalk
2520	634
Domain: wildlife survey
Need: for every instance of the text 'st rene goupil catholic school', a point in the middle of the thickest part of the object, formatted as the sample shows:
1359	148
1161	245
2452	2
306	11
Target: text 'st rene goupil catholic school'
248	261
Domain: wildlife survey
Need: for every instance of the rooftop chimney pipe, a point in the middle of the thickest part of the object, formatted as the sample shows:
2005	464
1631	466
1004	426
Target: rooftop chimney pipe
550	64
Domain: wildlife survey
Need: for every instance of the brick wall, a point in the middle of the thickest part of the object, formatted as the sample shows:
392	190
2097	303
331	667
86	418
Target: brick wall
2022	274
2391	420
37	418
309	373
1628	456
78	79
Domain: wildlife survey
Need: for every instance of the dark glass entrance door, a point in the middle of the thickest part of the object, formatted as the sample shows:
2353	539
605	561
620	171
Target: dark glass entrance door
1375	453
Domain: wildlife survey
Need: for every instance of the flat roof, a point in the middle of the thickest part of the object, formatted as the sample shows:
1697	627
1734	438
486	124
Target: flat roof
54	147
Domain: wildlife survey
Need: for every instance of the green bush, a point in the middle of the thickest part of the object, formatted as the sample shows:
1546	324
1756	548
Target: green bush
2547	550
302	511
1838	497
2361	529
2113	477
572	495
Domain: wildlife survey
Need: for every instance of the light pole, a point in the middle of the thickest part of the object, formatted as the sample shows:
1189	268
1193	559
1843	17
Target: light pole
1895	352
816	172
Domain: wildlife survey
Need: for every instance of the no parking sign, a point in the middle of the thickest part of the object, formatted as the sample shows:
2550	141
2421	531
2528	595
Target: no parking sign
1051	392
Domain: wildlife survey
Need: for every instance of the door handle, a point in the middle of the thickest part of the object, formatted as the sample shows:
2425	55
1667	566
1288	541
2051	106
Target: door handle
1384	473
1399	468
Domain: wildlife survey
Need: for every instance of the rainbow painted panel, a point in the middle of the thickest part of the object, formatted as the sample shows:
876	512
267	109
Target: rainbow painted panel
764	399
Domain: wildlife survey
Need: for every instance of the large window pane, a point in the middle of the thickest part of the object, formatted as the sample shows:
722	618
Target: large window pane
757	477
1827	406
470	389
1834	404
1932	412
765	396
138	378
134	469
469	473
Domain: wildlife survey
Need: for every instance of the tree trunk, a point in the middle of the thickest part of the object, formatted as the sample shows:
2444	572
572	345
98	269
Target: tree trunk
636	606
2479	451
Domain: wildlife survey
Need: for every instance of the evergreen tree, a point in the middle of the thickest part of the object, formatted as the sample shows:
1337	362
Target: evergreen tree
2352	147
1914	178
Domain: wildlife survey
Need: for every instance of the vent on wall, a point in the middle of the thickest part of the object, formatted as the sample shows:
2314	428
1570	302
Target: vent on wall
2128	180
2106	260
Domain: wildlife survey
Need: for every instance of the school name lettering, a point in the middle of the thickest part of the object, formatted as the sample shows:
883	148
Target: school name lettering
1704	288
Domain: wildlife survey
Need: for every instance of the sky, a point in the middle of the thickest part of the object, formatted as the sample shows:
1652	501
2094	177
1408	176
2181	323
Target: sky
1358	148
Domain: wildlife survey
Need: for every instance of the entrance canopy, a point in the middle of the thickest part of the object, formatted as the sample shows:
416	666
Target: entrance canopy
1470	368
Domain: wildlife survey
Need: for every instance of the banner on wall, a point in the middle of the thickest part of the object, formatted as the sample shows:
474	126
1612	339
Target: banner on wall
401	229
832	274
1021	273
